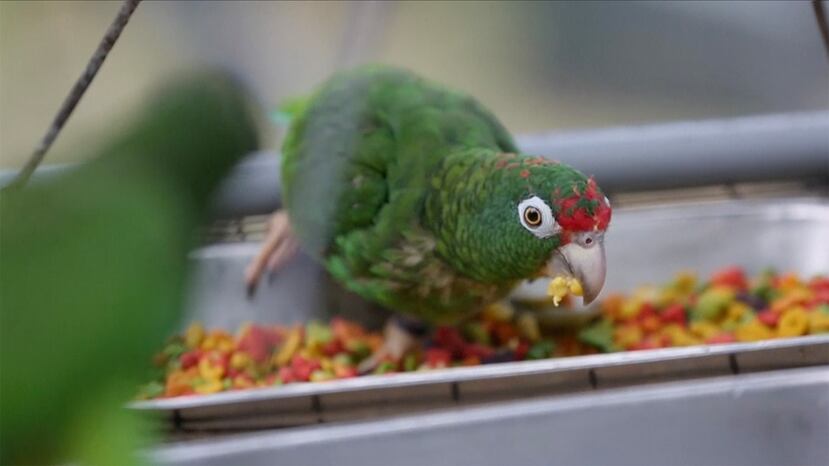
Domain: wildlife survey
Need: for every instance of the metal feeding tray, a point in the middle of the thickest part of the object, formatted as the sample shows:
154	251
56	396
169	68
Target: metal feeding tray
771	418
644	245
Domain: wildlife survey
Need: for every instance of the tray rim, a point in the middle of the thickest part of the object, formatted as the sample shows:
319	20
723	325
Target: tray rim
463	374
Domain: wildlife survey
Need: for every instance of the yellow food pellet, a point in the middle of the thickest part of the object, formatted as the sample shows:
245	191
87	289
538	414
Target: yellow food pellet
612	305
291	345
630	309
194	335
576	288
818	322
560	287
737	310
704	329
627	335
528	327
498	312
753	331
793	322
685	282
240	360
679	336
321	376
217	339
789	281
211	386
210	372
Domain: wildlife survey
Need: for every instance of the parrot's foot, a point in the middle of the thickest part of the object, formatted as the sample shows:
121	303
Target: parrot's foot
279	247
400	335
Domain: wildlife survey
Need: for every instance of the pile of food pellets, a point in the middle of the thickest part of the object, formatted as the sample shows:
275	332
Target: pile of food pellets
727	308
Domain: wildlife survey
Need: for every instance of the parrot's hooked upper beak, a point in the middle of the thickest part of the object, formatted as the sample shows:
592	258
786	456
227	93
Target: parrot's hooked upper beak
584	259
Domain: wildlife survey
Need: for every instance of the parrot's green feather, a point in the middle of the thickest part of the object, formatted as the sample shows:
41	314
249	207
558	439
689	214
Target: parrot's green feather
407	191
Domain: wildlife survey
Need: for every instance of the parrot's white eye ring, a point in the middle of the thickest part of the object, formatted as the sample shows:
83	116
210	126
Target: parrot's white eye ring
537	217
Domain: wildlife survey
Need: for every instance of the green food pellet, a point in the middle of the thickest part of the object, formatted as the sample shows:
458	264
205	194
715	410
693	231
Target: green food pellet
599	335
541	349
384	368
410	363
712	303
359	350
476	332
318	333
343	359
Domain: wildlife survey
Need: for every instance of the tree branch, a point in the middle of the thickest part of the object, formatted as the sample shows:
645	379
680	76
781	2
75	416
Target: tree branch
78	90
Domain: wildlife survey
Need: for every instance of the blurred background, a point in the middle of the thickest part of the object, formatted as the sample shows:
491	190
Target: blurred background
539	66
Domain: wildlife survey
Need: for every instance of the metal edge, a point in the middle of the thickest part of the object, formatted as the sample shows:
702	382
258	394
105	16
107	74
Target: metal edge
199	449
460	374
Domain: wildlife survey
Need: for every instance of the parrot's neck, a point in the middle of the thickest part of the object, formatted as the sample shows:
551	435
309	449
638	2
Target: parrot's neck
465	211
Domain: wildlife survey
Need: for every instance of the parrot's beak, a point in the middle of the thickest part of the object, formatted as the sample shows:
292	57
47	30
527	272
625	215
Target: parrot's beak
586	262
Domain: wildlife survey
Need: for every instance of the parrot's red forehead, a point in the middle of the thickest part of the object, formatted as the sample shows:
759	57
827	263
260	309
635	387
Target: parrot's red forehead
586	209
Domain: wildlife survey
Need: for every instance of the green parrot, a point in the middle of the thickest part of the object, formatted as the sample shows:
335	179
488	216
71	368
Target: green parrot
92	269
416	197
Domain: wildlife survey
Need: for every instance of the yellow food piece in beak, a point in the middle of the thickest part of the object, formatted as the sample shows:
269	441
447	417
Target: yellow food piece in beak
560	287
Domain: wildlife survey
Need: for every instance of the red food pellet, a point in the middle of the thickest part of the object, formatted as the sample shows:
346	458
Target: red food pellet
333	347
675	313
286	375
768	318
504	332
651	323
436	357
721	338
256	343
450	339
647	310
477	350
190	359
821	297
521	351
731	276
647	344
344	372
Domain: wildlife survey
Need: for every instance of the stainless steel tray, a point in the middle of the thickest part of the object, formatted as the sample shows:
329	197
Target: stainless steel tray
645	245
771	418
395	394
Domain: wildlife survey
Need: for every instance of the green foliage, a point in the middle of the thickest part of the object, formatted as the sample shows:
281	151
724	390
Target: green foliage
93	265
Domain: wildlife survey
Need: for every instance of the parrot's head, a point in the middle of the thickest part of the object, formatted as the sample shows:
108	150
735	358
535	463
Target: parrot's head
525	217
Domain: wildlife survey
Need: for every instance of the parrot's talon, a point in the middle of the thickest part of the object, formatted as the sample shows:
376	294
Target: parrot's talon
400	335
279	247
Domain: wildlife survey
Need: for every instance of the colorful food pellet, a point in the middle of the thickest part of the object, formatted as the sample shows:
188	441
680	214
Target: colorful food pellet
561	286
728	308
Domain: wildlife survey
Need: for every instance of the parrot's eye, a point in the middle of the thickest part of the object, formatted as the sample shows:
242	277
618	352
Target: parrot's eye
532	216
537	217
